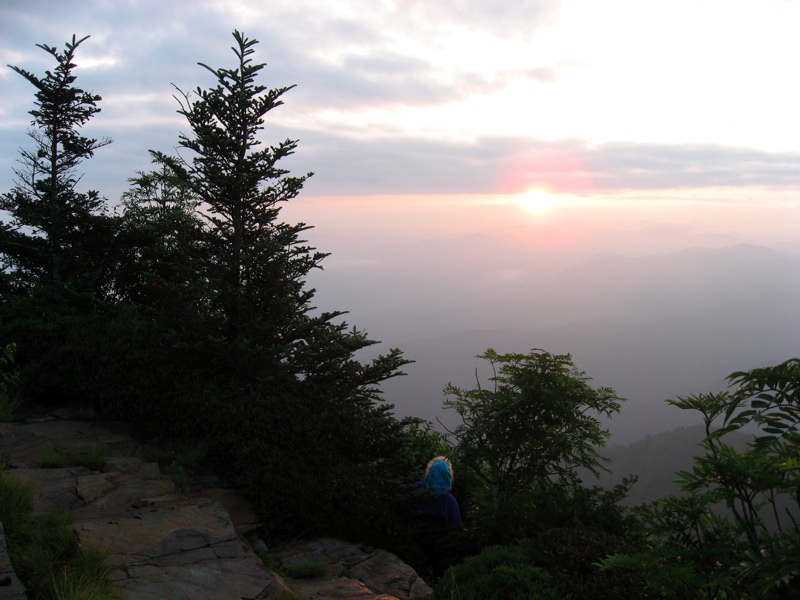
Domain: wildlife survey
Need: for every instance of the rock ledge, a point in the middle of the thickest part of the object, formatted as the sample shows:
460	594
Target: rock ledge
164	543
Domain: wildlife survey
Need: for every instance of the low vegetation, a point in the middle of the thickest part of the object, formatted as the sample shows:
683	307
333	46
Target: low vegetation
310	569
497	573
44	551
750	548
64	456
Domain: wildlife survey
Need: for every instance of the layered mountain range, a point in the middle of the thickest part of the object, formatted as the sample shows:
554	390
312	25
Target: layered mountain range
651	326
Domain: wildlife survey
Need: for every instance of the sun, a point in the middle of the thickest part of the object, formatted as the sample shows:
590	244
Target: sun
537	202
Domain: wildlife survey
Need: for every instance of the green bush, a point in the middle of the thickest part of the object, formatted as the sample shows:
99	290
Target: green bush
750	549
543	506
571	555
499	572
535	419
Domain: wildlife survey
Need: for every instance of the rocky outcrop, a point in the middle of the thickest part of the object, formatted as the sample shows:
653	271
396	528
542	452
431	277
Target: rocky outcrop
190	544
346	566
176	549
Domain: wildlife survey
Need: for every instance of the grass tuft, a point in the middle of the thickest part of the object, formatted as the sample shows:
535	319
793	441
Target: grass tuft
179	456
45	553
309	569
272	563
9	406
85	577
62	456
287	595
15	501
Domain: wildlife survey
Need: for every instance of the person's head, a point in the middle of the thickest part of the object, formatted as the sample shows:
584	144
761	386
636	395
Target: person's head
438	476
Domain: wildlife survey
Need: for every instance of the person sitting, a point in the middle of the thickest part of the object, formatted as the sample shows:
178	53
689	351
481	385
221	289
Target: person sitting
437	509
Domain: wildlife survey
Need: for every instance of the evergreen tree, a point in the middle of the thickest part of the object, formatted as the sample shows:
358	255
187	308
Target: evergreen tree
56	235
259	264
163	249
56	244
256	265
296	417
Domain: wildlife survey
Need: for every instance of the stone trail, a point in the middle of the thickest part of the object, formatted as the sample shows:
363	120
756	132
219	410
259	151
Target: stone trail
167	544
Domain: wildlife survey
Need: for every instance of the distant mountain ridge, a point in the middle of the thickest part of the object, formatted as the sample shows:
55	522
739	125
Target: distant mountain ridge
651	327
645	363
655	460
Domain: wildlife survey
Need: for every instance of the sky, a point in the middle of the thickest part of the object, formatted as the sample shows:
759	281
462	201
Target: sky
464	150
442	118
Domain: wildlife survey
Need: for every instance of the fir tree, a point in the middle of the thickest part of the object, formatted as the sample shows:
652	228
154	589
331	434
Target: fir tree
56	235
56	245
297	417
260	262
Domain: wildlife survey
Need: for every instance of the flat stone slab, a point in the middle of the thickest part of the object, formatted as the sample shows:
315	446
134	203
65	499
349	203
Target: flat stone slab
76	488
80	435
244	518
54	489
24	444
22	448
182	550
108	491
132	466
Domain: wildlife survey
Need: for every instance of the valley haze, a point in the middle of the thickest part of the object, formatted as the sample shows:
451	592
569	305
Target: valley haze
653	327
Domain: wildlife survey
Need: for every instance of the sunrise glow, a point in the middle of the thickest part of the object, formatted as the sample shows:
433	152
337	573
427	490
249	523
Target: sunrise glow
537	202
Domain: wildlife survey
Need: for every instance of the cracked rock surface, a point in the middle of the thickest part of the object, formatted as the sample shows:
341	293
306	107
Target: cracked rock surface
167	544
346	566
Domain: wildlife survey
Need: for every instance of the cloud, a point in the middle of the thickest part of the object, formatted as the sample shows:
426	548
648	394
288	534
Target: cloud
540	74
356	81
573	165
404	165
692	165
337	61
401	164
511	18
360	67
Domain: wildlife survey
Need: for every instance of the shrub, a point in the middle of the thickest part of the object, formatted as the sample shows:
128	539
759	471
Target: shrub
536	418
750	549
319	465
499	572
571	555
545	506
